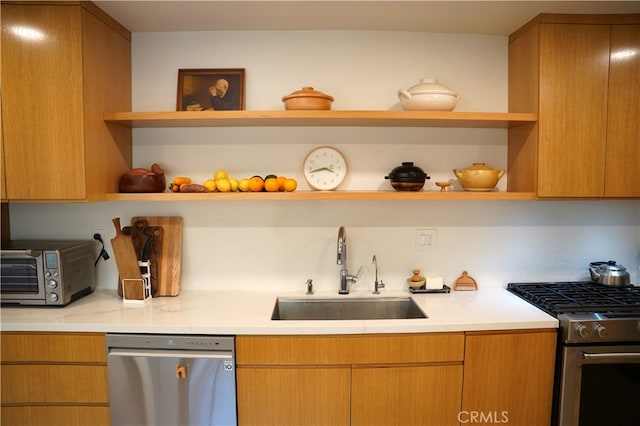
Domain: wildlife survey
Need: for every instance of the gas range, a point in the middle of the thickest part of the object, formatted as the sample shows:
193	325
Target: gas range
588	312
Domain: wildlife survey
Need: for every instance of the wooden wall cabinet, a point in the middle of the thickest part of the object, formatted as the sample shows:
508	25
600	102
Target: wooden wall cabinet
581	73
508	377
63	66
54	379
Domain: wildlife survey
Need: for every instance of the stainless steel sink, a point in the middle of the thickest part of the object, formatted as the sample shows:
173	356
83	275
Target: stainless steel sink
369	308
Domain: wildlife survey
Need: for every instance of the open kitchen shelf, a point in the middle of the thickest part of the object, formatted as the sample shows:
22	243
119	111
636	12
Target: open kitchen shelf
320	118
323	195
364	118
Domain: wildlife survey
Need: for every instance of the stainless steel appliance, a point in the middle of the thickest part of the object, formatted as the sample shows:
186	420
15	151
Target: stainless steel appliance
171	379
51	273
598	360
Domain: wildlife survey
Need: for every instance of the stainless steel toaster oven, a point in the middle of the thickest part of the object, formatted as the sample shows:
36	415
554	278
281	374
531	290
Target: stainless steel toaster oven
51	273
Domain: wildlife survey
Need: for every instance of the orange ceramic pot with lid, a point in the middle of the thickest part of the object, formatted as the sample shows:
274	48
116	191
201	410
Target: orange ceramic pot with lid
307	99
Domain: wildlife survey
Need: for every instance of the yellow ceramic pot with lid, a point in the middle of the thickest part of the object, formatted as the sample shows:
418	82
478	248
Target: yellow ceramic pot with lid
478	177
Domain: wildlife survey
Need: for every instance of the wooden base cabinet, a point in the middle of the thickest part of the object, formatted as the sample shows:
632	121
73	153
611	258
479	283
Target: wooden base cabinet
508	378
581	76
63	65
395	379
54	379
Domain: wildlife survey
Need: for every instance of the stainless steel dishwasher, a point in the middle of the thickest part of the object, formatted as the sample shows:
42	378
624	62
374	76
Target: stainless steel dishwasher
171	379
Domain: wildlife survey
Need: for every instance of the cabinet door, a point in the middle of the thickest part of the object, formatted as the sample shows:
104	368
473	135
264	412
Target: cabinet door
412	395
293	396
42	116
574	74
508	378
623	130
3	187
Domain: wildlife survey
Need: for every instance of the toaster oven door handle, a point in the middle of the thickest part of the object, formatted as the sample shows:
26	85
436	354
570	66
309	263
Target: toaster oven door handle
21	266
21	254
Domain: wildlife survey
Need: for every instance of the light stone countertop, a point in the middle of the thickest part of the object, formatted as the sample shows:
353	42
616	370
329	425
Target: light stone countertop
249	313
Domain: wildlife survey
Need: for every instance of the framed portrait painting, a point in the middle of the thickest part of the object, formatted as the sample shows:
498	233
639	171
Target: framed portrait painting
210	89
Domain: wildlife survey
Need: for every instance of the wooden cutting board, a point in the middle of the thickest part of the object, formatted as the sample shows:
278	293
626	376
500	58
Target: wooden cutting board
127	261
169	252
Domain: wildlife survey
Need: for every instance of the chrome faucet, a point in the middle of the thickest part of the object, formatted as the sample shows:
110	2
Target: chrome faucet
376	284
342	261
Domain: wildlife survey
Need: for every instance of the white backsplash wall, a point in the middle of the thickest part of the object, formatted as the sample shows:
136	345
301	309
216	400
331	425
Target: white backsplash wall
278	245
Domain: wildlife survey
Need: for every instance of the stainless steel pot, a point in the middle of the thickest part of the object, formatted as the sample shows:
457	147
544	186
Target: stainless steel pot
609	273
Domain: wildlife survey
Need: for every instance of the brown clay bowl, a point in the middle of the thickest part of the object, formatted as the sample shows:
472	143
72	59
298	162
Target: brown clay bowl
142	183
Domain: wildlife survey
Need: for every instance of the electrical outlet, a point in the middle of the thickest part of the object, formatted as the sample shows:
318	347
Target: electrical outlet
426	239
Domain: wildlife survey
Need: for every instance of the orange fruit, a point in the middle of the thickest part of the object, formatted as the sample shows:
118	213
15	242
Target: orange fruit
281	180
181	180
256	184
271	185
290	185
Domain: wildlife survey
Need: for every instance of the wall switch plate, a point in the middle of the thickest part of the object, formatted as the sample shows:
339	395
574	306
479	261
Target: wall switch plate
426	239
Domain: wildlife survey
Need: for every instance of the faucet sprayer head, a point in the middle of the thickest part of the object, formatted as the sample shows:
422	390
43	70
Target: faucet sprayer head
342	242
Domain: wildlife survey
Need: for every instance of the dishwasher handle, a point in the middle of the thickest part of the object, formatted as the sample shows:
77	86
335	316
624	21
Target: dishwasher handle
171	354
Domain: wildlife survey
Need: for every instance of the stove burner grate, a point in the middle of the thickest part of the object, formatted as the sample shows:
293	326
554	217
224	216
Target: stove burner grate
583	296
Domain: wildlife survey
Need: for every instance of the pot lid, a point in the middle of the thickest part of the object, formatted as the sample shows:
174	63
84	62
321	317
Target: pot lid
479	166
610	265
307	92
430	85
407	171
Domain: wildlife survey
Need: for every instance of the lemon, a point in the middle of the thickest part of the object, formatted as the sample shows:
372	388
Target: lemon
243	185
210	184
234	184
223	185
220	174
290	185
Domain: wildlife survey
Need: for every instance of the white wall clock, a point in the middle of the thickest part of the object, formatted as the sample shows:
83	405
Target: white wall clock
324	168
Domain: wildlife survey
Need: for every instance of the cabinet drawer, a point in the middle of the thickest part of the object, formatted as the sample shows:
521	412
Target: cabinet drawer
405	348
55	416
53	347
54	384
354	349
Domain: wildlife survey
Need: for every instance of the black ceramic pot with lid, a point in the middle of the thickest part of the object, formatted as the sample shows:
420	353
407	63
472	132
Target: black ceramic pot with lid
407	177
